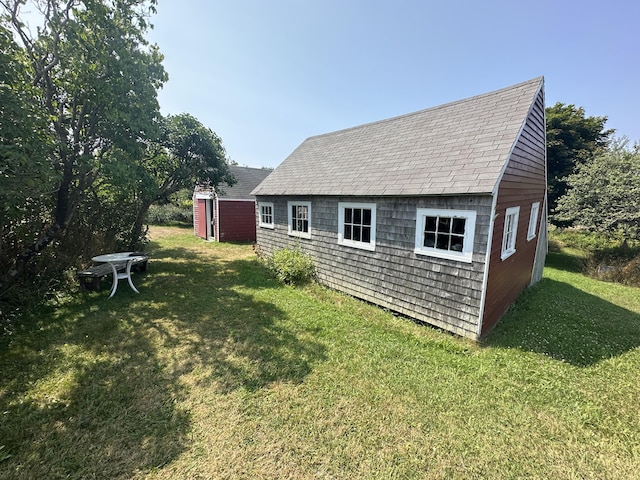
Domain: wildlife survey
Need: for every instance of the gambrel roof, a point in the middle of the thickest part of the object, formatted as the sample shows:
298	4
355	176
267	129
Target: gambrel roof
456	148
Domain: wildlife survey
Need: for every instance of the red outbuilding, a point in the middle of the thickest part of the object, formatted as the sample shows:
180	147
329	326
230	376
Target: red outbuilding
228	214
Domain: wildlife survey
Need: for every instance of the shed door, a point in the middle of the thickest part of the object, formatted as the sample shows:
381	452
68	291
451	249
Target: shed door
202	218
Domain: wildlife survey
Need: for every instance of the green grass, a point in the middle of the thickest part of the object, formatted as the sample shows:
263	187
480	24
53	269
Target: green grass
216	370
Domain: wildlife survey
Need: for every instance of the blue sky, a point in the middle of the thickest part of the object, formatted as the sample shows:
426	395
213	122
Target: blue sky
266	74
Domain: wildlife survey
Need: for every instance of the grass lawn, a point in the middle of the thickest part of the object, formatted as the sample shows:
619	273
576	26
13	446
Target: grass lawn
215	370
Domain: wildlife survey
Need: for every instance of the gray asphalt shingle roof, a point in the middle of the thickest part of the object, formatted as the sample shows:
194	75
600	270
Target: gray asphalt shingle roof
247	179
456	148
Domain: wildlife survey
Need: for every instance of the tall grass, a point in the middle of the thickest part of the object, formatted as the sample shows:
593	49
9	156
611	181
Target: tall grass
217	370
609	258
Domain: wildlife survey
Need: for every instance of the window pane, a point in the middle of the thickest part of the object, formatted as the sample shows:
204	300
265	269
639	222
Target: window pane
443	242
366	234
357	229
507	241
347	232
305	226
357	215
444	224
348	215
457	243
366	217
429	239
430	224
458	226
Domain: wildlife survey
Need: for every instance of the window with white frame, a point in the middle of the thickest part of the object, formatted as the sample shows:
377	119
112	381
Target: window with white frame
533	220
357	225
445	233
510	232
299	219
266	214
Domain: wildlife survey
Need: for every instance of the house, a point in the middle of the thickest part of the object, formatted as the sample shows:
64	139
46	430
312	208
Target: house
227	214
439	215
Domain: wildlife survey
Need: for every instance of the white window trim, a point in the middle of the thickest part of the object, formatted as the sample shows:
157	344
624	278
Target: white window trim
352	243
533	220
509	247
260	222
466	255
295	233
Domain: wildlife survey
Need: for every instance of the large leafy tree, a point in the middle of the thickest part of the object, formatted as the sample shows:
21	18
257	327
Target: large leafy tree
185	153
26	177
604	192
95	80
572	138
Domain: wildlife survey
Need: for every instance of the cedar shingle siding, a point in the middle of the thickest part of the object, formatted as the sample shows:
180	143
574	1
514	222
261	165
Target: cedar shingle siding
437	291
452	157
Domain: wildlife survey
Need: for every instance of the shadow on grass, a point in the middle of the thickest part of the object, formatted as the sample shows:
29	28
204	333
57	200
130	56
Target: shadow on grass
231	338
83	395
558	320
94	389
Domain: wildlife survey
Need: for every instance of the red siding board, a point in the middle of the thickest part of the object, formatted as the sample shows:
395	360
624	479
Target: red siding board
523	183
517	189
524	166
236	221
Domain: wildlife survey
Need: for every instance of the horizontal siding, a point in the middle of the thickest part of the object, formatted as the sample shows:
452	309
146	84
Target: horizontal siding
236	220
441	292
523	183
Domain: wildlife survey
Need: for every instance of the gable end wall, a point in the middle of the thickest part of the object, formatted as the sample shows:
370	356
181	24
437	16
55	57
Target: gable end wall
523	183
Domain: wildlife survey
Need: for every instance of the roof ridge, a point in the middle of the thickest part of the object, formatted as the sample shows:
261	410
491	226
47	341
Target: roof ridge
436	107
246	167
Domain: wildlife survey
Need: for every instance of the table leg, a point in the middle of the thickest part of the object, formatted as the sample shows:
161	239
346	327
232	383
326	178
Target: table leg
129	263
114	287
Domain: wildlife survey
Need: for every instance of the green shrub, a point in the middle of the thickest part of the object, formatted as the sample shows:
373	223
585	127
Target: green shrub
170	214
581	239
292	266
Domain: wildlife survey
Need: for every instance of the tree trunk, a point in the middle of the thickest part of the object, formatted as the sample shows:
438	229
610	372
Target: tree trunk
136	231
63	215
16	270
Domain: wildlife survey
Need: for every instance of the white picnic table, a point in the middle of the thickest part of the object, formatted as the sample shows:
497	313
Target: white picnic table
116	260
